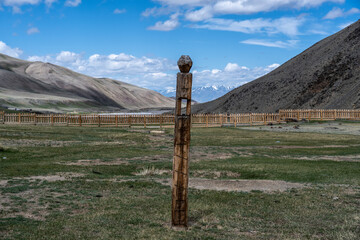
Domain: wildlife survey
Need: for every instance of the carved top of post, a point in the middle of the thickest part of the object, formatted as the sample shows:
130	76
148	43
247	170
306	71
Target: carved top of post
185	64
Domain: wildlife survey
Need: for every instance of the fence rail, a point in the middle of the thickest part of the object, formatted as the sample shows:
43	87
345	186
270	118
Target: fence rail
198	120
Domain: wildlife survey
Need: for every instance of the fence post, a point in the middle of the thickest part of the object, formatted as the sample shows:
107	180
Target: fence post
129	120
207	120
180	180
3	117
52	119
116	120
99	120
144	121
80	123
321	114
35	119
19	118
160	121
298	115
265	116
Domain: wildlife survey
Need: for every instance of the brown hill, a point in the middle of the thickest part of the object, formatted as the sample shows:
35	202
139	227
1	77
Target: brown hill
327	75
44	86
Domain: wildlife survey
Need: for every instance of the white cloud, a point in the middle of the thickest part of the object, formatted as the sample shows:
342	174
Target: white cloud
155	11
142	71
232	75
66	56
72	3
168	25
49	2
286	25
13	52
16	10
32	30
222	7
233	67
157	75
209	12
153	73
337	12
186	2
256	6
200	15
342	26
20	2
119	11
353	11
39	58
334	13
272	67
267	43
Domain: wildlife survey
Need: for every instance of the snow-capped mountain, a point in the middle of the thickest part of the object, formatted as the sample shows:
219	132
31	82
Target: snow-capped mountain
201	94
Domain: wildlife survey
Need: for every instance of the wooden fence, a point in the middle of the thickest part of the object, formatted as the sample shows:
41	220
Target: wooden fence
320	114
198	120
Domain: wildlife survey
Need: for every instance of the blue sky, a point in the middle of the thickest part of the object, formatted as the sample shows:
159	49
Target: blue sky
139	41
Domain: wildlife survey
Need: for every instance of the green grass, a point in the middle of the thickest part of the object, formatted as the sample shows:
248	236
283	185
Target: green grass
115	202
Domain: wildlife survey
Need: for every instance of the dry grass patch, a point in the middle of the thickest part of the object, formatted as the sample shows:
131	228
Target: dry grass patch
152	171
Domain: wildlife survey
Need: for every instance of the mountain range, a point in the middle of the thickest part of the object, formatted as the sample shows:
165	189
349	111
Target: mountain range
202	94
48	87
326	75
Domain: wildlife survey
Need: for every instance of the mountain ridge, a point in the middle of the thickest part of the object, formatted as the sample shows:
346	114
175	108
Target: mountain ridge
326	75
48	87
202	94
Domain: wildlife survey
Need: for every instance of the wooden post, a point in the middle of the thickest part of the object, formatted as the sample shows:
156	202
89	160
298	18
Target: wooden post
298	115
321	114
99	120
19	118
207	120
80	123
181	145
35	119
160	121
52	119
265	116
116	120
129	120
3	117
144	121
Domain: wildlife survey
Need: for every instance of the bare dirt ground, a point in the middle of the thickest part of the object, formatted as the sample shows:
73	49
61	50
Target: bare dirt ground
34	207
237	185
347	158
321	127
16	143
48	178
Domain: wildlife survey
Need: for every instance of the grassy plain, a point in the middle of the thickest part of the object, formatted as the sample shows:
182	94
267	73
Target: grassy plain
108	183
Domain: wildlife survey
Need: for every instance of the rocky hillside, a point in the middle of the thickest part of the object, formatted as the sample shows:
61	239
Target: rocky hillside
47	87
327	75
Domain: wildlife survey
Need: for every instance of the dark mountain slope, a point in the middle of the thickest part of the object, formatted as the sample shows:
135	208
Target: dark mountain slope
327	75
